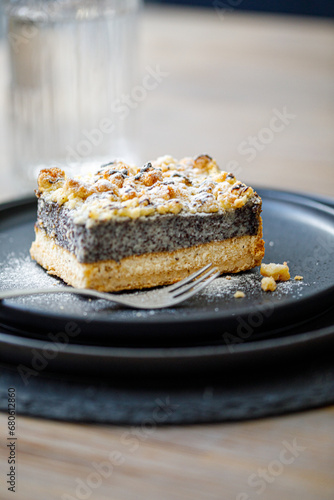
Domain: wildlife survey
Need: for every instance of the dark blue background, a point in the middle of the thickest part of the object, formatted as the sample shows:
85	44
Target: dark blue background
323	8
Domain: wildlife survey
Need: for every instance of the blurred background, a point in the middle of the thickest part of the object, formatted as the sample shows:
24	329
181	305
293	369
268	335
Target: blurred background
230	69
299	7
250	83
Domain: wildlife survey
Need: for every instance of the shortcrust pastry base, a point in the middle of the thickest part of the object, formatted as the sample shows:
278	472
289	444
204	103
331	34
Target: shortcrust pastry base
148	270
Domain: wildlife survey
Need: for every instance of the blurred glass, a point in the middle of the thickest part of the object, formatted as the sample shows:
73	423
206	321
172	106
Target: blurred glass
2	21
70	61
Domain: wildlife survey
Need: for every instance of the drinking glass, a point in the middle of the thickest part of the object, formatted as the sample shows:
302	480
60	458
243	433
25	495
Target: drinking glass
71	63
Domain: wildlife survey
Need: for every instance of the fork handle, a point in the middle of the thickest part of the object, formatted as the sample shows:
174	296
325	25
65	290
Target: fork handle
77	291
10	294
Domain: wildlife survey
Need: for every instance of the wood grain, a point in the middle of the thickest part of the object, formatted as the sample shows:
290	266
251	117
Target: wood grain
185	463
227	73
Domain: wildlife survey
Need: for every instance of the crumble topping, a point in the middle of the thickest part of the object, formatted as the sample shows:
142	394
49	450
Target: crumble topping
239	294
298	278
166	185
268	284
279	272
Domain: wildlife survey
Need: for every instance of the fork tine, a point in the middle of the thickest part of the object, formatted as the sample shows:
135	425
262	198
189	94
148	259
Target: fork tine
188	286
184	296
187	279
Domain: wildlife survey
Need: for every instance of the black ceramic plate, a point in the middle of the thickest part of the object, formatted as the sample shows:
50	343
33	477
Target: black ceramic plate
192	385
291	344
296	229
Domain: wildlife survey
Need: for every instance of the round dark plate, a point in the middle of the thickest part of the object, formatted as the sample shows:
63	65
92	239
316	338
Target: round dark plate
179	385
296	229
55	353
246	372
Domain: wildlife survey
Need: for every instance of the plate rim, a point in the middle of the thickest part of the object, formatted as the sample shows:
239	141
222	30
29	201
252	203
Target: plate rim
150	353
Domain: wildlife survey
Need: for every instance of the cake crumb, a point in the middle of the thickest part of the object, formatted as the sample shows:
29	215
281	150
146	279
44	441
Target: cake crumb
268	284
239	295
279	272
298	278
228	277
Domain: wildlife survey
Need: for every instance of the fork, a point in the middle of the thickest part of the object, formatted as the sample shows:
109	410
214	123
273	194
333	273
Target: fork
153	299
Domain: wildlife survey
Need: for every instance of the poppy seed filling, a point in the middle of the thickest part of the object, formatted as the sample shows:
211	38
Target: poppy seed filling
123	237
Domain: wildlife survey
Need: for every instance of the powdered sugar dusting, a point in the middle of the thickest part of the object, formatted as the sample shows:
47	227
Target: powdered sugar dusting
21	272
250	284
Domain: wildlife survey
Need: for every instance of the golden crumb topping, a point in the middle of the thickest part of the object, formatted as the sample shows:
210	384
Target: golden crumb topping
159	187
279	272
268	284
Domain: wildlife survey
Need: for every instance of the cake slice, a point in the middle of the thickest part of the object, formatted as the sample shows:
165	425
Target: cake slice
124	227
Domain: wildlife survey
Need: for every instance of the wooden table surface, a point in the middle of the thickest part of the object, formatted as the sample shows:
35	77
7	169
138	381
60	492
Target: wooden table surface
229	76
